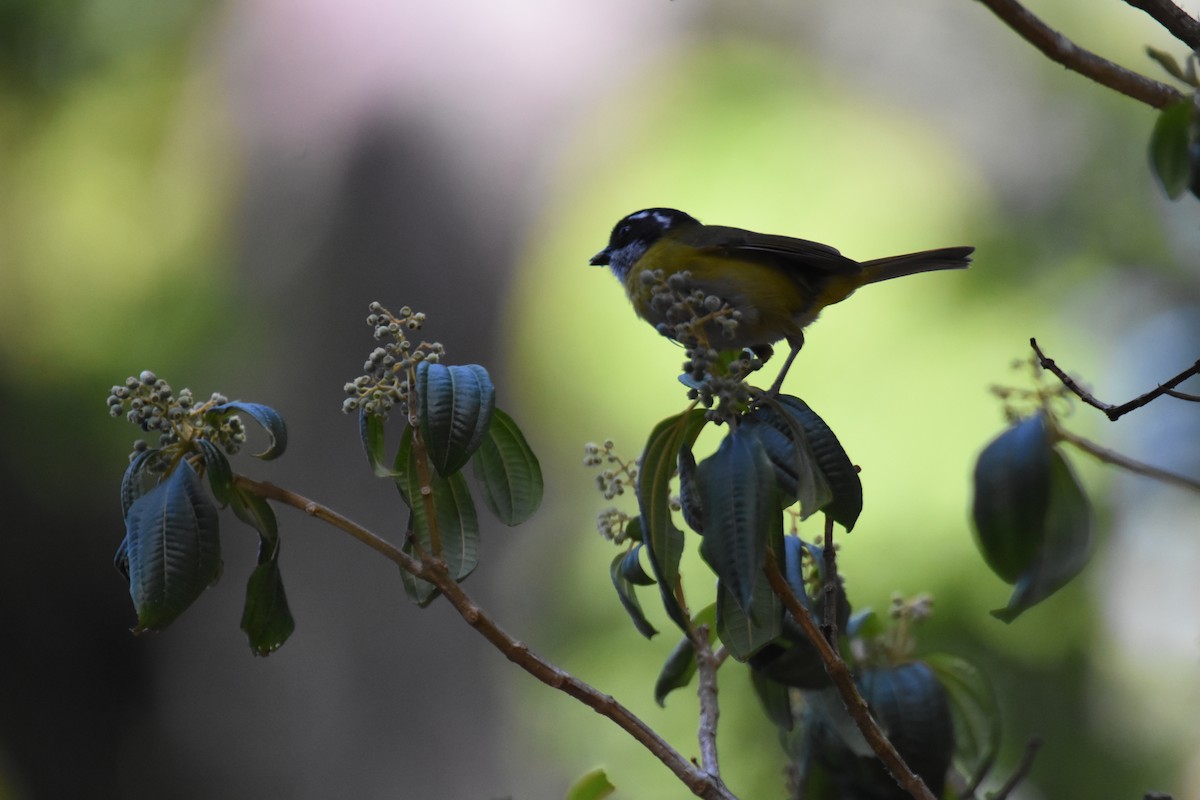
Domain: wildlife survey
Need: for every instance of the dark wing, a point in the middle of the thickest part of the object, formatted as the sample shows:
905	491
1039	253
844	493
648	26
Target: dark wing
783	251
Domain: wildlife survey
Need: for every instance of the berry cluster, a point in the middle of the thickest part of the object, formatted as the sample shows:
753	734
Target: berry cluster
149	402
693	319
616	476
390	367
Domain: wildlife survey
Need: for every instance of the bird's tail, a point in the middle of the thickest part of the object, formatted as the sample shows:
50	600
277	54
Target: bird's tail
883	269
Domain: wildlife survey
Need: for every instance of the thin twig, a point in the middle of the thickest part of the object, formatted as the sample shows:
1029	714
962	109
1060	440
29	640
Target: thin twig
698	782
1031	750
1179	23
839	673
1124	462
829	556
1116	412
1062	50
706	670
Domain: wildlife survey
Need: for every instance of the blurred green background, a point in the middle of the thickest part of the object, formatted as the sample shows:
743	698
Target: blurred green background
217	191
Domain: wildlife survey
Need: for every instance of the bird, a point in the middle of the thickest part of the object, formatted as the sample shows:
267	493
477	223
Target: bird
778	284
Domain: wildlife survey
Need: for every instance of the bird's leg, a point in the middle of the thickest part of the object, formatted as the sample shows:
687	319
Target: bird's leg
797	342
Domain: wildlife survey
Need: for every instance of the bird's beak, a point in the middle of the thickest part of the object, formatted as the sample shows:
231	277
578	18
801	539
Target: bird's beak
600	259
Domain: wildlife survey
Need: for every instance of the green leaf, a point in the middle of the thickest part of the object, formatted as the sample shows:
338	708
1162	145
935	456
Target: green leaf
172	548
218	471
680	666
745	632
266	619
792	659
1012	494
628	598
592	786
256	512
420	591
267	417
841	476
1065	542
976	714
631	567
136	477
663	540
736	488
454	405
1169	147
454	511
775	698
370	430
508	470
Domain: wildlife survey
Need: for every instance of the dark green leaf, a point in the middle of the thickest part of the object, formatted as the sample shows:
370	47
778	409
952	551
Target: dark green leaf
631	568
218	471
1012	494
663	540
136	477
736	488
267	417
839	471
796	473
454	511
370	429
775	698
454	405
420	591
256	512
1065	542
976	714
592	786
628	598
508	470
1169	147
744	633
266	619
680	666
172	548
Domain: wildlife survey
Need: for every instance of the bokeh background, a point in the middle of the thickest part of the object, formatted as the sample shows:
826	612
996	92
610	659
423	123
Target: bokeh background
216	191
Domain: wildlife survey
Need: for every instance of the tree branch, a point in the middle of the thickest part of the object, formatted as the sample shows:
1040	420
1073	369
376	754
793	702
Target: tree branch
706	668
839	673
1126	463
1116	412
697	780
1062	50
1180	24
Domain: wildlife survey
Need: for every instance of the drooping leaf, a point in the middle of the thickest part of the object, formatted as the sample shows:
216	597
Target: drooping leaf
256	512
1012	494
664	541
628	598
454	511
1167	62
370	430
1169	147
775	698
172	548
267	417
218	471
508	470
593	785
420	591
1065	542
680	665
910	705
266	619
137	475
976	714
736	488
839	471
454	405
792	659
631	567
745	629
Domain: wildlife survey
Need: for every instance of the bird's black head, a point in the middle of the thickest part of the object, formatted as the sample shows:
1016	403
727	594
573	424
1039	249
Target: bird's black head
633	236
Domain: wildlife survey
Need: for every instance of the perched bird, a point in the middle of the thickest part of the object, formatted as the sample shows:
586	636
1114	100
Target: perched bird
777	284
